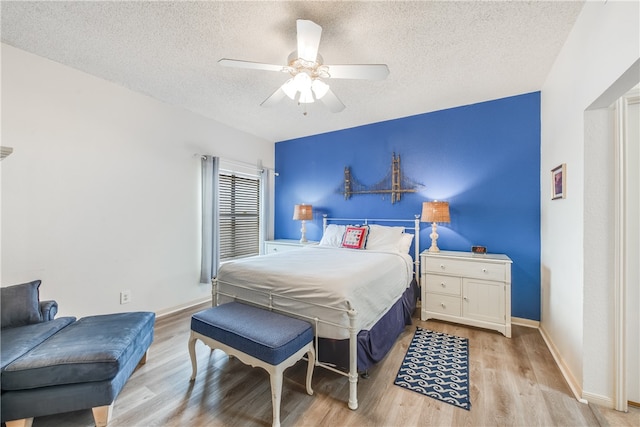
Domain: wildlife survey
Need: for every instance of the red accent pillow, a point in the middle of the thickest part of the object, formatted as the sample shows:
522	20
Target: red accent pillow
355	237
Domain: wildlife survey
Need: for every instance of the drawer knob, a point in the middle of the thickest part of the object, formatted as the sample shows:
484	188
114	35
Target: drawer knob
484	270
443	306
275	249
465	298
443	285
442	266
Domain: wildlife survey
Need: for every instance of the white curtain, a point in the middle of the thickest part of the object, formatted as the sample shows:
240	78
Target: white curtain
210	219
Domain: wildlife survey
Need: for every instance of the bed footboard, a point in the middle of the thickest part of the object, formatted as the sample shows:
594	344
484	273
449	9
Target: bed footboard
353	361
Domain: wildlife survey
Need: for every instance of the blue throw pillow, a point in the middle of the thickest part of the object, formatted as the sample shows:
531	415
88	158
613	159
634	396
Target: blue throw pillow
20	305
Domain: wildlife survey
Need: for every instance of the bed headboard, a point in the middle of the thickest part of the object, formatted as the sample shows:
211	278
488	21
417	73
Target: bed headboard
410	225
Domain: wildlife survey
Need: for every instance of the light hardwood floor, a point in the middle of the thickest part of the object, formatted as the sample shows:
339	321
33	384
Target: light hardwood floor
514	382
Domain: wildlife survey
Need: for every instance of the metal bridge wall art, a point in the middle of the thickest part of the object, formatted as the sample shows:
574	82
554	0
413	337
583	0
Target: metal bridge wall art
394	183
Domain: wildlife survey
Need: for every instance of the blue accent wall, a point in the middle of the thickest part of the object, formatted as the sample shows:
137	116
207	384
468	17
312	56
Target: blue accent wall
484	159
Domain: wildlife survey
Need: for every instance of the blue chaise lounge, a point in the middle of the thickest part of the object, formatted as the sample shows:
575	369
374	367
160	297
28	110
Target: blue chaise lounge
50	366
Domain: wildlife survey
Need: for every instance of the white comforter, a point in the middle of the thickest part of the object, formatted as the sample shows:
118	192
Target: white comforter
323	282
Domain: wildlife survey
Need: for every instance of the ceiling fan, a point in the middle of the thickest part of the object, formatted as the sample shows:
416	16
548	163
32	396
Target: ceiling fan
308	71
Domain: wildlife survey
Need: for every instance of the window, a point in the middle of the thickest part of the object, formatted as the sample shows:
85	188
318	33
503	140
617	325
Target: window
239	216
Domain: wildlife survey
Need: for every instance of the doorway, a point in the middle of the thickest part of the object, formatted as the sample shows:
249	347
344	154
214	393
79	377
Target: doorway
631	188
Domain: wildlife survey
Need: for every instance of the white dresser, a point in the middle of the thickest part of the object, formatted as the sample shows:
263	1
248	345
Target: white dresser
466	288
283	245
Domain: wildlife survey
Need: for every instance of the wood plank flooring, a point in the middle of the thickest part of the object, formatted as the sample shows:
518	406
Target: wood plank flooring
514	382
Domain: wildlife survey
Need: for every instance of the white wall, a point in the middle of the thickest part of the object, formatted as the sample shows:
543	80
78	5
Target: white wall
576	247
102	191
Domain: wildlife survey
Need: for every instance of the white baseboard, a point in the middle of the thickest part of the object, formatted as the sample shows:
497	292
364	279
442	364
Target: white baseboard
604	401
580	395
575	387
173	310
525	322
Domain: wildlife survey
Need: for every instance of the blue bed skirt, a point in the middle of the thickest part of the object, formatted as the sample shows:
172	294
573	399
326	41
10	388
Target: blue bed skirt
375	343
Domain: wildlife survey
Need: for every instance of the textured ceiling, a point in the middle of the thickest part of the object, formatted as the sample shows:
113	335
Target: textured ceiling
440	54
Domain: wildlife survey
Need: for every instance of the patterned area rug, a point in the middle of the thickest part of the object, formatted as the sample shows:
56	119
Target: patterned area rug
437	365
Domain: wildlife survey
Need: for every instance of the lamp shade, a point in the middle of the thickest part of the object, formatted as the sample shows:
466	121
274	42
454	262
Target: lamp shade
290	89
435	212
303	212
320	88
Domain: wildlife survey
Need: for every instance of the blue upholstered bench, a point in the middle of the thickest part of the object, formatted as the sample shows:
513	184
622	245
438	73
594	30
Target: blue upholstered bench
257	337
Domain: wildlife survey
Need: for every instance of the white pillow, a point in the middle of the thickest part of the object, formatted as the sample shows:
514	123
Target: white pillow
333	235
384	238
404	244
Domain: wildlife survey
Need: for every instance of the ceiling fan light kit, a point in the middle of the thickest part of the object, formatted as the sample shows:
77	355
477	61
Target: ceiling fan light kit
306	68
303	84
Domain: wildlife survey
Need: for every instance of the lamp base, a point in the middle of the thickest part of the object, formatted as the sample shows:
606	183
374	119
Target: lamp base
303	232
434	239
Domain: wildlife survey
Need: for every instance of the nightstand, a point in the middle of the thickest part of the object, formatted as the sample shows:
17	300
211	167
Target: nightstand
283	245
466	288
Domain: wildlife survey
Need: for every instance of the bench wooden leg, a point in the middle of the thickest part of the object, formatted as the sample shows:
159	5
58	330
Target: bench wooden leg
276	395
192	354
276	373
102	415
311	355
25	422
143	360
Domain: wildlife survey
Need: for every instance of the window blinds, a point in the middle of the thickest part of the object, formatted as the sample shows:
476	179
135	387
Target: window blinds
239	216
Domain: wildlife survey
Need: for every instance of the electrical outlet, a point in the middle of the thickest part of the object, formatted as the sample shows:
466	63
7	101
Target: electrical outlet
125	297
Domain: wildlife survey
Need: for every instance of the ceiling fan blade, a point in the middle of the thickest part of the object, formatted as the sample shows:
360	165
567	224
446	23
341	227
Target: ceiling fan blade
354	71
308	39
274	98
332	102
250	65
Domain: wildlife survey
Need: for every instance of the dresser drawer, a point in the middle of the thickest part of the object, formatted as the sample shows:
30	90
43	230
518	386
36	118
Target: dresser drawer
443	284
272	248
444	304
476	269
284	245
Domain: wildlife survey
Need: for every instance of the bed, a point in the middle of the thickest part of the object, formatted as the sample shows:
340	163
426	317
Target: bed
358	287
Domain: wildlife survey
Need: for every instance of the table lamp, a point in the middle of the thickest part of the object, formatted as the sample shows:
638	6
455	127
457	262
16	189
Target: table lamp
303	213
435	212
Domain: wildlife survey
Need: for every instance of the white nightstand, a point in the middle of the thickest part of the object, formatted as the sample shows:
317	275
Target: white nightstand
465	288
283	245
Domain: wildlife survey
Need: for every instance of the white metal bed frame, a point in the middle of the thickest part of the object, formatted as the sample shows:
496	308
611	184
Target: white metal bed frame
353	329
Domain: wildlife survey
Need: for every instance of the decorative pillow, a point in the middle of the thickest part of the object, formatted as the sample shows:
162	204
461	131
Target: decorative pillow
333	235
355	237
404	245
384	238
20	304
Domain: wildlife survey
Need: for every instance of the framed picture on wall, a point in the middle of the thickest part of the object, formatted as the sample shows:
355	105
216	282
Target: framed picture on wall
559	182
